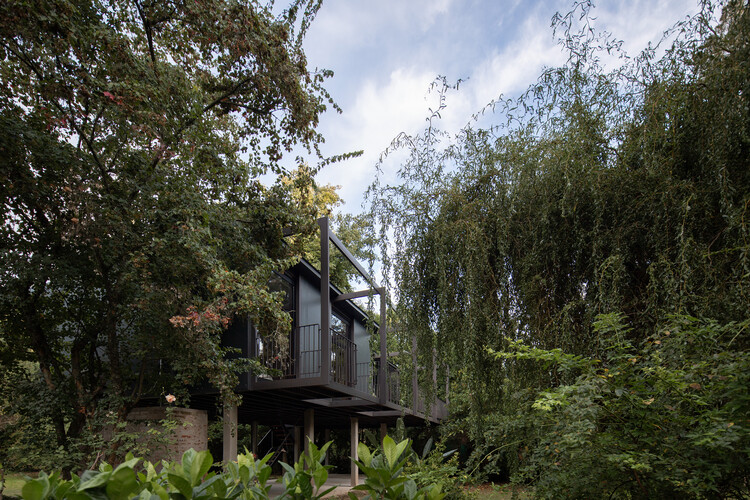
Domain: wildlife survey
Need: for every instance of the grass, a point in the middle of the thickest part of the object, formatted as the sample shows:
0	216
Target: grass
14	481
499	492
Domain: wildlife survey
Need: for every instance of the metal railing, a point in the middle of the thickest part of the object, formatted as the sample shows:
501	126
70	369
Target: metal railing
297	357
393	382
343	360
365	379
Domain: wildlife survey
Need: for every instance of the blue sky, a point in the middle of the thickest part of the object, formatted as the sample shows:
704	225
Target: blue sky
385	54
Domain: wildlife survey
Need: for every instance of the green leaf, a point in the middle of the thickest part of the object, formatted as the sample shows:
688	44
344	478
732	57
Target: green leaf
100	479
201	462
182	485
320	476
122	484
33	490
363	453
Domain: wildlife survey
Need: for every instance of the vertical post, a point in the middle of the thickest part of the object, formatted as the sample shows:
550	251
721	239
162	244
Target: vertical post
326	438
254	437
415	375
354	439
309	428
383	367
297	439
230	433
325	301
383	431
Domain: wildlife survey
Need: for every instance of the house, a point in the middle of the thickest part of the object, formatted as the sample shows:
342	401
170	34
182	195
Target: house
328	375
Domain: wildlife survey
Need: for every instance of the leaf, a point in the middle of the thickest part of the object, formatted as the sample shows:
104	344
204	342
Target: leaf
96	481
363	452
182	485
33	490
320	476
122	483
202	461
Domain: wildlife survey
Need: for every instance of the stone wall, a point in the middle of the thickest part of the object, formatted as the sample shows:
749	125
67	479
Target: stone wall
191	430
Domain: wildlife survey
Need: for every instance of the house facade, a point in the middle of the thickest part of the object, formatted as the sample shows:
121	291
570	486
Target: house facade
332	372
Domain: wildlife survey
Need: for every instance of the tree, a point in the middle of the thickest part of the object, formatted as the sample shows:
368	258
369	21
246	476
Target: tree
597	191
134	224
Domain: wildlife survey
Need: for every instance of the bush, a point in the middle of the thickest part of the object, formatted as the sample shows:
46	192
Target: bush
667	418
245	479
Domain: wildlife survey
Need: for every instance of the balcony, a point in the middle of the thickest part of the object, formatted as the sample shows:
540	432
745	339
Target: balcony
300	359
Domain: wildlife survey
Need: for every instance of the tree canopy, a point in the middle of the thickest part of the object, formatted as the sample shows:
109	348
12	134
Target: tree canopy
605	188
135	226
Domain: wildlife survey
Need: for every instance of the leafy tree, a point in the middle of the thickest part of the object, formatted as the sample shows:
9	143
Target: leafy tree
597	191
352	230
134	222
666	418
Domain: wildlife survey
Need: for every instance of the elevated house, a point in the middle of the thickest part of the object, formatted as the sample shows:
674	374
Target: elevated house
334	371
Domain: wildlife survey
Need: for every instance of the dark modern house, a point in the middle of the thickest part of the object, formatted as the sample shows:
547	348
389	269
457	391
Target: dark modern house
334	371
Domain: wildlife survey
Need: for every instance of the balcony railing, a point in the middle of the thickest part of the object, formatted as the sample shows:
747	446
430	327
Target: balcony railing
299	357
392	384
343	360
365	380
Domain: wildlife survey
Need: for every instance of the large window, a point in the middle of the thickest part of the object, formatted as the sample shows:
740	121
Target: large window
340	325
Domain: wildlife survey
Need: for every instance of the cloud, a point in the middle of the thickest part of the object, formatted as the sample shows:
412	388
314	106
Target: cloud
381	110
385	55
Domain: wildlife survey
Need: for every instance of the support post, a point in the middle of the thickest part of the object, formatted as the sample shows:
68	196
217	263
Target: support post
326	438
354	438
325	301
230	433
297	439
254	437
383	431
309	428
383	366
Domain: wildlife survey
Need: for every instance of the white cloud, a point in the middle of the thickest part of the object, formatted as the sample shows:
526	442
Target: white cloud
385	55
379	113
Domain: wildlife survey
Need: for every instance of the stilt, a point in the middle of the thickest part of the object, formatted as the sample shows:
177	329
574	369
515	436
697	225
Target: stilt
383	431
309	428
297	439
326	438
354	438
230	433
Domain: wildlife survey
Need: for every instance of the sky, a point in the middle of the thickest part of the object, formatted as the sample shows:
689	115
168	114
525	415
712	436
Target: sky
385	53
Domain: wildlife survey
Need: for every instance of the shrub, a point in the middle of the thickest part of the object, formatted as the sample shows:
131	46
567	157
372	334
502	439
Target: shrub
667	418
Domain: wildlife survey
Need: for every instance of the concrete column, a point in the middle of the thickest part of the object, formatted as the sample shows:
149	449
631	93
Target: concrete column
254	437
326	438
354	438
383	431
230	433
297	439
309	428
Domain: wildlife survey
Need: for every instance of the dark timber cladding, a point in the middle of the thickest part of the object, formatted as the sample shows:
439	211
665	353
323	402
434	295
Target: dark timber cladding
325	375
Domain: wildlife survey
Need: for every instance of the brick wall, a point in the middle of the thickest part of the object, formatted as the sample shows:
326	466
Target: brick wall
191	430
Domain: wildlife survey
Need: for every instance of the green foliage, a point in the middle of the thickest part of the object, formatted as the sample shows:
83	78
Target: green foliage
386	478
246	479
135	225
666	418
309	472
438	467
601	189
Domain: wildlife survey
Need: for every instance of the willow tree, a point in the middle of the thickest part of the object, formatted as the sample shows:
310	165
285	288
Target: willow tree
598	190
134	222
